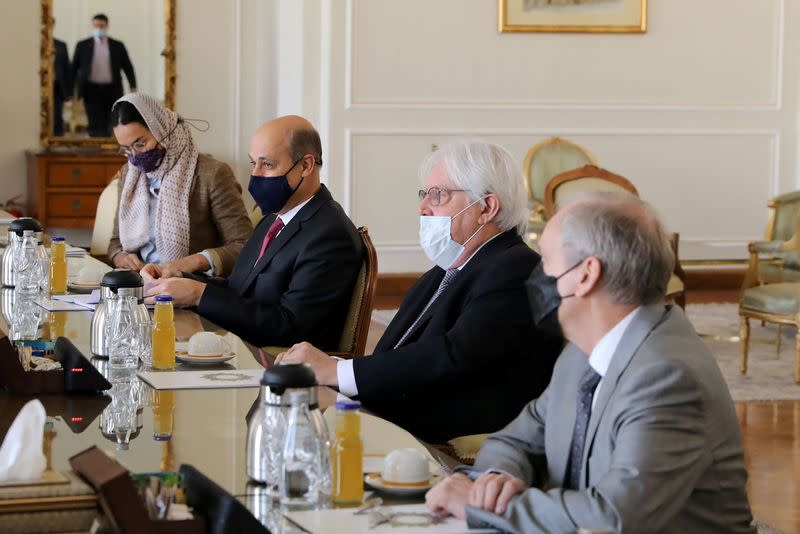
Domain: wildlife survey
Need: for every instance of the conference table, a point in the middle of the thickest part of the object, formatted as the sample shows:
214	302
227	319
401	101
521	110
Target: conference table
209	426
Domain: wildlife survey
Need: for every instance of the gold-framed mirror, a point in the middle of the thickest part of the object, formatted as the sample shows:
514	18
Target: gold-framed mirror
136	45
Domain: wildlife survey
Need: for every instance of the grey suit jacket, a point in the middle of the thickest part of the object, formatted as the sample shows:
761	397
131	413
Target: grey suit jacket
663	451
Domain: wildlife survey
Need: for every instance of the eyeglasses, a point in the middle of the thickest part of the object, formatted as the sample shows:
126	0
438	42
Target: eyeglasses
136	148
141	145
436	195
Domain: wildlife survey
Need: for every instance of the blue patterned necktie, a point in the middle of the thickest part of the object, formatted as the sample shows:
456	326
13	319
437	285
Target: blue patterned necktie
449	274
584	410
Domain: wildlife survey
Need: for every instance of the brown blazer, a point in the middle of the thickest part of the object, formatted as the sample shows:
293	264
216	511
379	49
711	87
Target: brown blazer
217	216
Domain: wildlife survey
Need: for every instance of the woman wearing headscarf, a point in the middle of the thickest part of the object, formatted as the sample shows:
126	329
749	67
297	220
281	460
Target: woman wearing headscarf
177	208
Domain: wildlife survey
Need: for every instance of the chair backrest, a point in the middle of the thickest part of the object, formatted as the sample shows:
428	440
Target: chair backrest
356	326
256	216
562	188
104	219
550	158
783	214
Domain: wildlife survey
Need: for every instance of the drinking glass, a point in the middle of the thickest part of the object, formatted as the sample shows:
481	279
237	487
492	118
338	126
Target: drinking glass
43	274
122	340
143	332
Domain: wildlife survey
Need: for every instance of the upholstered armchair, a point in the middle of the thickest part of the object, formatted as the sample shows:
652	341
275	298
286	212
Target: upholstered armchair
776	259
543	161
561	189
771	287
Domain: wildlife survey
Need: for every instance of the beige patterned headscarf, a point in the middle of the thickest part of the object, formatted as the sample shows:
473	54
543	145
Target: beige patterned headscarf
176	173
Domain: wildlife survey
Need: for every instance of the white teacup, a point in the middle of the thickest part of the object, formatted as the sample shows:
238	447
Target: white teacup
207	344
89	276
406	466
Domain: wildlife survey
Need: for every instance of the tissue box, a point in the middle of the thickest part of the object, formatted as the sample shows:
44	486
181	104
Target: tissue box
77	373
119	498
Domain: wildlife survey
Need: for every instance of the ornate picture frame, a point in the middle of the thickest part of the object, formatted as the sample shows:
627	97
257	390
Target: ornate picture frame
47	52
572	16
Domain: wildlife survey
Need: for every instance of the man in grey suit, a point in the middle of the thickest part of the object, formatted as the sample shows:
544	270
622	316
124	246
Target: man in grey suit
642	435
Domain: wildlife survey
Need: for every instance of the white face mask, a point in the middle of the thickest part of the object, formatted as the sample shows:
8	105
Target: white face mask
99	33
436	241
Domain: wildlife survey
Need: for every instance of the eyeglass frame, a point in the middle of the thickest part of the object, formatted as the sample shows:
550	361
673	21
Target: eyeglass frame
422	193
129	151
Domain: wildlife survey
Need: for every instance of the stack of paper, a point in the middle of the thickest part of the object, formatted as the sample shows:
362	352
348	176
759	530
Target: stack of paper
412	517
58	305
85	301
209	379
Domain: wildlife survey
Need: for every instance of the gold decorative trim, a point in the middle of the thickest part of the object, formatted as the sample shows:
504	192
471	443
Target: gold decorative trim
47	52
38	504
503	26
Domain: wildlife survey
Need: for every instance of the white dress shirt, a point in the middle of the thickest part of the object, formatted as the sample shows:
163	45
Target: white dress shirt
344	368
601	355
100	72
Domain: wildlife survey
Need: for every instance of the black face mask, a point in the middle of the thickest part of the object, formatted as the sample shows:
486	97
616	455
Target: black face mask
544	299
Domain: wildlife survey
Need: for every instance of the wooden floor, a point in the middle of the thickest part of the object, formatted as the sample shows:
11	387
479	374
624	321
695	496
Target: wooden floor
771	435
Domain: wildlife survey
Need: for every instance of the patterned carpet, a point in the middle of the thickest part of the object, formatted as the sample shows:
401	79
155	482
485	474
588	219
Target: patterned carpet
769	375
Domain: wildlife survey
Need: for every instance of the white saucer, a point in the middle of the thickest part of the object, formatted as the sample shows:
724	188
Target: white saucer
74	286
203	360
375	481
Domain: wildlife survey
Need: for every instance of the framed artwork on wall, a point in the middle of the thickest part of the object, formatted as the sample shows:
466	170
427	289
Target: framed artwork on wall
572	16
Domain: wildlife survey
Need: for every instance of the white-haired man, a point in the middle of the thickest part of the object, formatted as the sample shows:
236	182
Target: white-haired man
641	435
462	355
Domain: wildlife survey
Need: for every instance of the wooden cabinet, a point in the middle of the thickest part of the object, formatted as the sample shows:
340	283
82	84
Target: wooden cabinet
64	186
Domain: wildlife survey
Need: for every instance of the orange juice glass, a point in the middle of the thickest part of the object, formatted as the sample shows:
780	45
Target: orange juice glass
163	334
163	407
58	266
347	454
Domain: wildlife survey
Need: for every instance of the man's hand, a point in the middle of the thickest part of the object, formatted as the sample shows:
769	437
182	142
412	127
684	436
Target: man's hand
450	496
126	260
184	291
493	491
323	365
189	264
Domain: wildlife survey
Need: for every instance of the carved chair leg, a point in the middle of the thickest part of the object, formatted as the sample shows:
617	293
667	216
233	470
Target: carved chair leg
744	340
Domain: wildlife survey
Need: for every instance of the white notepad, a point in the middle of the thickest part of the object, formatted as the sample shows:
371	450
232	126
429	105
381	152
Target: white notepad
58	305
208	379
343	521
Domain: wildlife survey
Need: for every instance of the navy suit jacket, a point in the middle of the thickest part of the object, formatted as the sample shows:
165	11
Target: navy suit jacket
473	360
82	64
300	290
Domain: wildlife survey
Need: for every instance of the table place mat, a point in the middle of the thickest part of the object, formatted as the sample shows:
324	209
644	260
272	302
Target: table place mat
58	305
344	521
209	379
88	301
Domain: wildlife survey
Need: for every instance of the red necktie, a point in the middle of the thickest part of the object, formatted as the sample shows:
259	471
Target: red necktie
274	228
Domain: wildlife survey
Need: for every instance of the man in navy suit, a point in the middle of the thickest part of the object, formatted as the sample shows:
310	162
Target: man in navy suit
294	278
462	355
96	67
62	84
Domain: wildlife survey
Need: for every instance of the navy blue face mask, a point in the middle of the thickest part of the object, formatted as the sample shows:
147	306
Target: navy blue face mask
272	192
544	299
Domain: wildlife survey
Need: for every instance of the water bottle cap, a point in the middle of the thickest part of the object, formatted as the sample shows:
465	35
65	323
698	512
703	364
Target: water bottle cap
163	298
348	405
56	239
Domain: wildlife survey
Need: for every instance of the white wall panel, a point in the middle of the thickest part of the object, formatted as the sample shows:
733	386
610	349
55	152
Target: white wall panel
448	53
708	185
